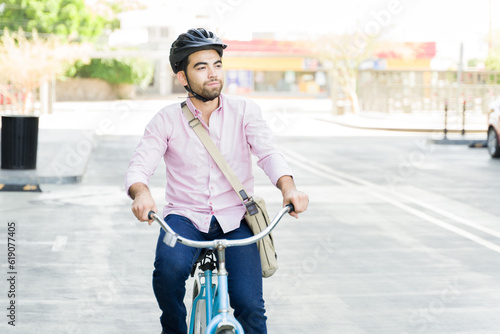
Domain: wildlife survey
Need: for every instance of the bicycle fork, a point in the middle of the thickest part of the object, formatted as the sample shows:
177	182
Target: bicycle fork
223	320
206	293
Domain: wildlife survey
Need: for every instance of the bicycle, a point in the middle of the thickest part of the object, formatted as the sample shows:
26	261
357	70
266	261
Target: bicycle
210	312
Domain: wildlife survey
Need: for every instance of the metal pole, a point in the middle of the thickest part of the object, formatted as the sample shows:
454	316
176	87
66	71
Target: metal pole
490	35
463	118
445	118
44	97
459	77
333	92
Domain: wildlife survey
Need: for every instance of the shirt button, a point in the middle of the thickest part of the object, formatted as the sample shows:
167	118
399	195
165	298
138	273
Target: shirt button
212	213
210	203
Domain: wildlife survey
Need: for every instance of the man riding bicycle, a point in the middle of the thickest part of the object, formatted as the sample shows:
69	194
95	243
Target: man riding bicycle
201	204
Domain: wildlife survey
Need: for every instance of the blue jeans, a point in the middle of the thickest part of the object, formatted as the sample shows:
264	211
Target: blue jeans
173	266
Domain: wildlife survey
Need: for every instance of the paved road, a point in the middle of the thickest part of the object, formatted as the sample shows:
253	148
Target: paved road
402	236
413	230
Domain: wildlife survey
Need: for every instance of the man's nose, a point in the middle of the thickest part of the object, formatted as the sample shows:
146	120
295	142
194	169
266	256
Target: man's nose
212	73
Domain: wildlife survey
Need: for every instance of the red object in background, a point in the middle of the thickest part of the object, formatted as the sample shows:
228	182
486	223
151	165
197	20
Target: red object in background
420	50
5	99
269	47
17	95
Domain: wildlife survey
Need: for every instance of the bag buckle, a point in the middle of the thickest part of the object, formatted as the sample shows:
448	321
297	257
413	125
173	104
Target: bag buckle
195	120
249	203
251	207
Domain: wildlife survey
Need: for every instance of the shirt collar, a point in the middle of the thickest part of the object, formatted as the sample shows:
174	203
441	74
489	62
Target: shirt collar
196	112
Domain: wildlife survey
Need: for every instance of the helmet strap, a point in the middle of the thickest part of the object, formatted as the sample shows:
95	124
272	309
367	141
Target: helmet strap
195	95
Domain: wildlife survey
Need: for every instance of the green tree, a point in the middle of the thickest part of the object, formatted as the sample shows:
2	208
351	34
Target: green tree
492	62
70	18
343	55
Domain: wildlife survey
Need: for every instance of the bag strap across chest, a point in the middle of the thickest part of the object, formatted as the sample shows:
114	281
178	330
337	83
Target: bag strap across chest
203	135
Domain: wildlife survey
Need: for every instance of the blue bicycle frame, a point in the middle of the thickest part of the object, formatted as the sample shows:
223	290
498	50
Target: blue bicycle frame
216	301
216	298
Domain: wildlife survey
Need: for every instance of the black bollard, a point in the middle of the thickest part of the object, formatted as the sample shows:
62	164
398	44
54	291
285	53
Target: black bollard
19	142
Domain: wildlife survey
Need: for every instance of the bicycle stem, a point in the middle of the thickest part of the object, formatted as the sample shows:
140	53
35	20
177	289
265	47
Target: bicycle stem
222	279
221	255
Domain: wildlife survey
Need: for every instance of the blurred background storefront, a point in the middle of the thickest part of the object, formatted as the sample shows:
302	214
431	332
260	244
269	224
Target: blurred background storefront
263	67
400	76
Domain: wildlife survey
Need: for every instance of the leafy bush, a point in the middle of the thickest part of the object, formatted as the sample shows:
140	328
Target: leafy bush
115	71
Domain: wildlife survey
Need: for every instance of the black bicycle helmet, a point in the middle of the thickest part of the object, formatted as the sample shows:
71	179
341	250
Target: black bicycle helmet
190	42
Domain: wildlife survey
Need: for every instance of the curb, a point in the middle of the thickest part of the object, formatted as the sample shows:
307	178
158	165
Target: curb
63	158
470	142
429	130
18	178
20	187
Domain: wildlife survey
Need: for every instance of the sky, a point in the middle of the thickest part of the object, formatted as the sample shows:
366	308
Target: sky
449	23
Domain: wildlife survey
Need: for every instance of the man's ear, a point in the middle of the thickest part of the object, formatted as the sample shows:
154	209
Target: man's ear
181	76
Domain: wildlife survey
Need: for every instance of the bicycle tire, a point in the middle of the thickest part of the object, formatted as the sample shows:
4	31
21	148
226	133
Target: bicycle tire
200	317
196	290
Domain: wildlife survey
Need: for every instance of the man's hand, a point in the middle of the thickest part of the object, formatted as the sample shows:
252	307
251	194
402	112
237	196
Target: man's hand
143	202
299	199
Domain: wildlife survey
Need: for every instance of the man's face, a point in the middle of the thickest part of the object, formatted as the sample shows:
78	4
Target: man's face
205	73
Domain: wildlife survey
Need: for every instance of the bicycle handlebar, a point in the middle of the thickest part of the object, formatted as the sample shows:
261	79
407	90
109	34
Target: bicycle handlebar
171	238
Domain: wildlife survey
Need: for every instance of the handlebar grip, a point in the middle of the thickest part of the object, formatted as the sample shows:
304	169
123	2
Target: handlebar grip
290	207
150	214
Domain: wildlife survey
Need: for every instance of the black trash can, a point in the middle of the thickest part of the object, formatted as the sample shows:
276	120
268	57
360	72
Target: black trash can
19	142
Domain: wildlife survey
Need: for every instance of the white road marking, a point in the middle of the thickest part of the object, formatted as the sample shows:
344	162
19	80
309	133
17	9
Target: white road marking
377	191
59	243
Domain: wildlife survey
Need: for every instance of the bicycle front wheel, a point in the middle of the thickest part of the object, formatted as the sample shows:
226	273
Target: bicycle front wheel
200	317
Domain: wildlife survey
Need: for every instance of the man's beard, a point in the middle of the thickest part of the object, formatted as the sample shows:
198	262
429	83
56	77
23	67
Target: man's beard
209	93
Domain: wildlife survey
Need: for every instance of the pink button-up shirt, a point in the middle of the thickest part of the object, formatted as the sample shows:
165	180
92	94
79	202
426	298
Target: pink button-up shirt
196	188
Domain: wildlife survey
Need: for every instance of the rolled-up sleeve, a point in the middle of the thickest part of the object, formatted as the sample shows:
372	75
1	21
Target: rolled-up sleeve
263	144
148	153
